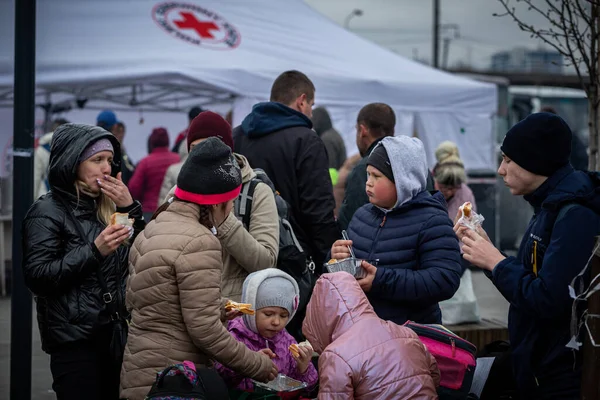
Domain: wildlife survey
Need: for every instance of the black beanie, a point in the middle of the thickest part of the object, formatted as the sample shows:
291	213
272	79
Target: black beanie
541	143
210	174
380	160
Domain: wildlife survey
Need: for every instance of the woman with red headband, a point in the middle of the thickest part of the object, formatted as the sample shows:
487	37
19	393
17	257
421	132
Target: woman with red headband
174	286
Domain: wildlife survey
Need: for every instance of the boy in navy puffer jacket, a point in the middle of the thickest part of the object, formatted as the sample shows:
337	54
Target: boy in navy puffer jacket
408	231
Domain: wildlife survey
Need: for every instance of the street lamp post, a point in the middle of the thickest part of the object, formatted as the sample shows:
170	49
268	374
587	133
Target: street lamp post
355	13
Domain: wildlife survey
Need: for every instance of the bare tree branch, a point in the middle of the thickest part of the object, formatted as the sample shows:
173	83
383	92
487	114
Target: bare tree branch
558	46
583	14
565	7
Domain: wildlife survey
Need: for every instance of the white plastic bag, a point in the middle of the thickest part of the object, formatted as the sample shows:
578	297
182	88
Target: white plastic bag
472	222
462	307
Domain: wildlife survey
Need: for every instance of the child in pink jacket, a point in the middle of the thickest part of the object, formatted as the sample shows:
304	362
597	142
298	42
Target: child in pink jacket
274	295
361	355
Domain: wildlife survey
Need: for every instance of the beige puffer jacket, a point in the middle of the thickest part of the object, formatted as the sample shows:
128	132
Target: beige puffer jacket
247	251
174	296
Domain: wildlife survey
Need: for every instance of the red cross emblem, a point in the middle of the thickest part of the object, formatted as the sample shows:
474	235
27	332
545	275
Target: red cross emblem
191	22
196	25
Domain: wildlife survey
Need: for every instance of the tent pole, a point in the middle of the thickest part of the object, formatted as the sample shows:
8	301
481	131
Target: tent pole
436	34
24	130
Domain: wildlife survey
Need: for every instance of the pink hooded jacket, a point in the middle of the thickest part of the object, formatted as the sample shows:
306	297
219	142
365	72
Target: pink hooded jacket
361	355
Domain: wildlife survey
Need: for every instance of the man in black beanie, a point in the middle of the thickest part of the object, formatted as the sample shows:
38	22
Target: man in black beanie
558	242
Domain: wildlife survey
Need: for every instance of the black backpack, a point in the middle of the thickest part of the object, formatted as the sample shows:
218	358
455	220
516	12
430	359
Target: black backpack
183	382
292	258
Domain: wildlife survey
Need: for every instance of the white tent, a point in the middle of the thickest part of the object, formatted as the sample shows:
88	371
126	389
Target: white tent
170	55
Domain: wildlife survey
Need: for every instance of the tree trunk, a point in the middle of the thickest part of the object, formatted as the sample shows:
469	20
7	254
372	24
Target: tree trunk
594	110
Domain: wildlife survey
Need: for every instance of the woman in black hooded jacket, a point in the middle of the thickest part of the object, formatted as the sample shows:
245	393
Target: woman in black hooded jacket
62	268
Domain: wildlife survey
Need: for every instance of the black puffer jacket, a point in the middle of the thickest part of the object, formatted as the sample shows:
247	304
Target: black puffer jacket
59	266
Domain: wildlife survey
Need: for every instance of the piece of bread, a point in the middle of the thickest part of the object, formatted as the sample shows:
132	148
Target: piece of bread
244	308
466	209
294	350
121	219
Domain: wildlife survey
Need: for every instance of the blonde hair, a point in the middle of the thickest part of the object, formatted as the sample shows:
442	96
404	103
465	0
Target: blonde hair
106	207
449	170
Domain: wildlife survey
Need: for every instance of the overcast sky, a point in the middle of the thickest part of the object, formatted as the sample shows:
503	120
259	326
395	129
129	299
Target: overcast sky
405	26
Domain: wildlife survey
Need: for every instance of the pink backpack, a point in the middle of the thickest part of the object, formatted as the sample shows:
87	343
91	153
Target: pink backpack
454	355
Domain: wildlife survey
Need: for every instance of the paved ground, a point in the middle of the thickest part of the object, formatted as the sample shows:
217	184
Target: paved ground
491	304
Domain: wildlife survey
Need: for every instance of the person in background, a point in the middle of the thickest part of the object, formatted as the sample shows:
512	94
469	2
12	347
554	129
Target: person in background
61	267
277	138
41	161
362	356
174	285
339	189
250	248
148	176
107	119
274	296
406	231
557	245
334	144
193	113
171	175
451	179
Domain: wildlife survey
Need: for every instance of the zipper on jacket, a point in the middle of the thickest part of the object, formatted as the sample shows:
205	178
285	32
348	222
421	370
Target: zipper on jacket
536	381
376	238
383	222
534	258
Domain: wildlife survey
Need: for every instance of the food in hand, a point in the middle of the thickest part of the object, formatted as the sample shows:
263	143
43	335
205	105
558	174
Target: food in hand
466	209
121	219
295	348
332	261
244	308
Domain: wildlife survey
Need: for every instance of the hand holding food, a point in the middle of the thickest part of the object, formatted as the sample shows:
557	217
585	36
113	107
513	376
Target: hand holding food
302	353
464	211
111	238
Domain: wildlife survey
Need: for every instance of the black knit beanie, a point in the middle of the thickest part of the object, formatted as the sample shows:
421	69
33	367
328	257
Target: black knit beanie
380	160
541	143
209	175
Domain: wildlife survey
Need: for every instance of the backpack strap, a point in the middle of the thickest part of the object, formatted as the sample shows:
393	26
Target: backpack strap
243	205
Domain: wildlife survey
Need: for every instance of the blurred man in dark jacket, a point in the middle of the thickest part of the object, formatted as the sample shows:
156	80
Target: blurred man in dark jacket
277	137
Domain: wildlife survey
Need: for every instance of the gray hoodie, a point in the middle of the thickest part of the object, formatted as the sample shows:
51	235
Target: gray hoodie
409	166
